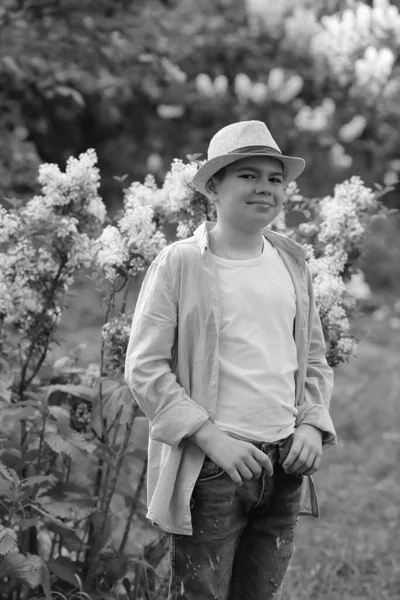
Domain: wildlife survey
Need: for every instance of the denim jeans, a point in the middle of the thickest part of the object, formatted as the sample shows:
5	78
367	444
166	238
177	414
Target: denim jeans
242	538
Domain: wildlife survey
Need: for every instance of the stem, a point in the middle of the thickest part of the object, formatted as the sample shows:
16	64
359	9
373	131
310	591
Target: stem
107	468
103	432
23	440
102	419
125	298
38	365
53	545
86	531
32	346
2	317
133	508
41	441
96	547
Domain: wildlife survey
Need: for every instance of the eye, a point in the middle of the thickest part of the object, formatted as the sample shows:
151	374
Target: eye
276	180
247	175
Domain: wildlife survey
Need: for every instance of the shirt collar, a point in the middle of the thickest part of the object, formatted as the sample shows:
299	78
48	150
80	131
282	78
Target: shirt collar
201	235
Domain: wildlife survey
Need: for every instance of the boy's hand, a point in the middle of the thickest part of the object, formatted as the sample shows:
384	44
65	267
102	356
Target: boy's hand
302	453
241	460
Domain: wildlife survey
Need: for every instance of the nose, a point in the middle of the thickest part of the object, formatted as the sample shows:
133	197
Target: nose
264	186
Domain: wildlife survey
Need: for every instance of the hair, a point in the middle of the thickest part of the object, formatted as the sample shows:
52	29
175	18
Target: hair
219	175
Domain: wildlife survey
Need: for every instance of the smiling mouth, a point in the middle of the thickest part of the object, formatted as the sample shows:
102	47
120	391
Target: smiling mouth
262	203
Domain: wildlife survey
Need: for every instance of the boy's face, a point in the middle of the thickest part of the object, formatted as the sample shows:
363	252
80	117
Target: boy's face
251	192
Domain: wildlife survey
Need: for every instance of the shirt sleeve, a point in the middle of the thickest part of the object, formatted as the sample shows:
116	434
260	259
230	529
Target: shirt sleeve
172	413
314	407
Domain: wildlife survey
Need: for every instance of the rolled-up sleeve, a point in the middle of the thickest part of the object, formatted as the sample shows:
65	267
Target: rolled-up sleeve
314	407
172	413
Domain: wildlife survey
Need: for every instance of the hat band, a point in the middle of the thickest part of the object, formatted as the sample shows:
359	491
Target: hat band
256	150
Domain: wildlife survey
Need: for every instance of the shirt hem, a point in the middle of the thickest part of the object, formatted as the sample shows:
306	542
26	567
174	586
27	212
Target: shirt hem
248	439
157	523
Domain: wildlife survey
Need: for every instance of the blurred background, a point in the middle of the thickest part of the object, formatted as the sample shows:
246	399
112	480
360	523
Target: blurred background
148	81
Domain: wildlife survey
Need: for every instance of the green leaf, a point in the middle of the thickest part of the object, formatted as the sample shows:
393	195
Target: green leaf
61	415
65	569
7	489
8	540
6	380
104	453
59	444
103	529
42	573
64	90
25	523
11	64
5	390
116	395
48	516
69	487
18	412
5	472
38	479
69	507
69	442
34	396
84	392
30	570
14	565
69	539
8	474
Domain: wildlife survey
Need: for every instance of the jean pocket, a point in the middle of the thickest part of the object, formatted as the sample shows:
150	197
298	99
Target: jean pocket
209	471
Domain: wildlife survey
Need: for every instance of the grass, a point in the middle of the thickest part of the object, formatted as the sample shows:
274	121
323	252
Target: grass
353	550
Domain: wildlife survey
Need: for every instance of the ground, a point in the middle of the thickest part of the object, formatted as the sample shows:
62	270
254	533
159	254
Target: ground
353	550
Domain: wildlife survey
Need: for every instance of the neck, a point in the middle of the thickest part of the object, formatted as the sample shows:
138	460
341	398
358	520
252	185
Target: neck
237	240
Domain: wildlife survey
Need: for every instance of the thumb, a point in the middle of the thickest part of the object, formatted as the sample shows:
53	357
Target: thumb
284	450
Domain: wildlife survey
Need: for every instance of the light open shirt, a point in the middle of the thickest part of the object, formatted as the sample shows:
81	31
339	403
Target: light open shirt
172	367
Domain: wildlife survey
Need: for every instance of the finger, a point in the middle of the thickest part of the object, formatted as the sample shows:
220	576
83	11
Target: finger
245	471
304	461
314	462
315	466
300	461
307	465
264	461
292	456
254	467
235	476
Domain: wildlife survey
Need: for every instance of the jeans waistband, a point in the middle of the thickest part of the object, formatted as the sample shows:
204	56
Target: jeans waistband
265	446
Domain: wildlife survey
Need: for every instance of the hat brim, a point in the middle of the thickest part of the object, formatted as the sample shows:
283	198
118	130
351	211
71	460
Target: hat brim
293	167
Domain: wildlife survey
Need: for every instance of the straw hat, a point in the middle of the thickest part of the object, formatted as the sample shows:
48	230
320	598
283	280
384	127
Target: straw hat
239	140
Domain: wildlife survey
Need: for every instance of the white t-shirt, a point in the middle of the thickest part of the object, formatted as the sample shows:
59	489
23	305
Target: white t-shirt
257	352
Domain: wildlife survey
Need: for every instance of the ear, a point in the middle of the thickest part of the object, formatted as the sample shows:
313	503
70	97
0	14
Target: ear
212	187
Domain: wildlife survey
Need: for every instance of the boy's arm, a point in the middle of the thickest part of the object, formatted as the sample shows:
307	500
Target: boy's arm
314	406
172	413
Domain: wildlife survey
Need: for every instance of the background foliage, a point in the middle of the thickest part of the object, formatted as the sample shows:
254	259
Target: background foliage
146	82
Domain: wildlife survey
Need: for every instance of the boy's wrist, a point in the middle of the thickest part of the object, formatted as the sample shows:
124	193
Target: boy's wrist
206	435
303	425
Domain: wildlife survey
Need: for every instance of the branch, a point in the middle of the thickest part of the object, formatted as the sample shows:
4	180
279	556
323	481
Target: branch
134	506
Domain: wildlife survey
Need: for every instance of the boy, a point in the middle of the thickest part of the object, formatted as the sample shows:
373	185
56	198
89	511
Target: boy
227	360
